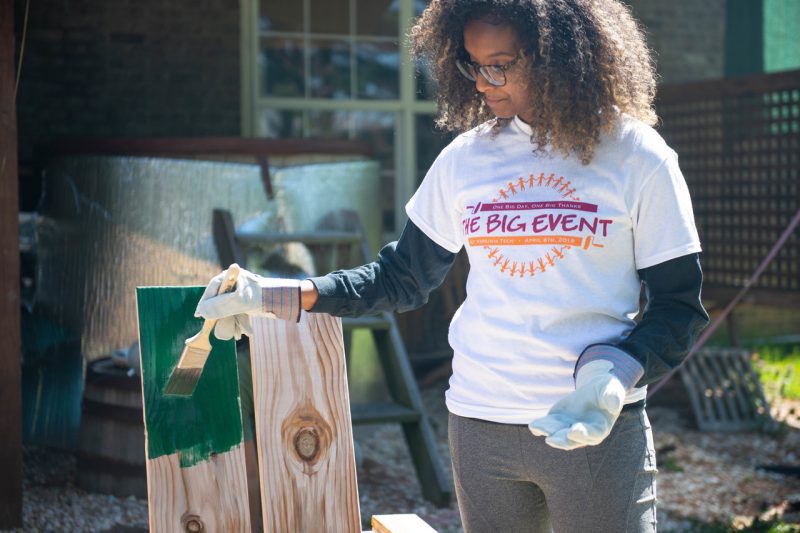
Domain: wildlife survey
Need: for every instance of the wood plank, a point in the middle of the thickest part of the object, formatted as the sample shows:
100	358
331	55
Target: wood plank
224	234
208	145
10	353
760	404
697	386
371	322
303	428
307	237
713	390
741	394
726	88
400	523
728	381
691	385
383	412
196	475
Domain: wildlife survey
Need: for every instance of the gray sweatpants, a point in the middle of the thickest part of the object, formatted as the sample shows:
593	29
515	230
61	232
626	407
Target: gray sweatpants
508	480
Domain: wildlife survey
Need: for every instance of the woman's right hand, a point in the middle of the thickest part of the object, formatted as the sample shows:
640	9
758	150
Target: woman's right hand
254	295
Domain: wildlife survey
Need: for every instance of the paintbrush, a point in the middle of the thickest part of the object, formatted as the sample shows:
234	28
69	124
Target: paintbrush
184	377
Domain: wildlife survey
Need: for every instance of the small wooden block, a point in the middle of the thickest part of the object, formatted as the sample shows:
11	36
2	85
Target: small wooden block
400	523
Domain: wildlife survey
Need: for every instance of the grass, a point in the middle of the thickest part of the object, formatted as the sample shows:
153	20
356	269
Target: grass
778	368
777	363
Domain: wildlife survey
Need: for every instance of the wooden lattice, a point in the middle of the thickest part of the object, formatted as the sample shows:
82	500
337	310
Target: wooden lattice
725	391
739	146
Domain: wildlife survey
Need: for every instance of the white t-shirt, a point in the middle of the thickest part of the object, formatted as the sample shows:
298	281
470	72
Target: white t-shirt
553	247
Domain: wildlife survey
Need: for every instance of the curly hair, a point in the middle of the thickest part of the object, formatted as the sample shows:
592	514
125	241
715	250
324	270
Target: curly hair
587	61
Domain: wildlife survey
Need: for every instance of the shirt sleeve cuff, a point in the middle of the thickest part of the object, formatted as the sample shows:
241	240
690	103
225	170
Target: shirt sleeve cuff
627	369
326	291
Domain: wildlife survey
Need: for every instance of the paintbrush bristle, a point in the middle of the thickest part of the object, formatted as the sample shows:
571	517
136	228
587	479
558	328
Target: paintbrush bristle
183	381
184	378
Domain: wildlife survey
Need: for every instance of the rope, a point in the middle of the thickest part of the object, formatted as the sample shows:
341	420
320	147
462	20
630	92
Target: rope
725	312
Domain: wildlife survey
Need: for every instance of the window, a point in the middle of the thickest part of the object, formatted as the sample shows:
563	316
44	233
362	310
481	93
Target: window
340	69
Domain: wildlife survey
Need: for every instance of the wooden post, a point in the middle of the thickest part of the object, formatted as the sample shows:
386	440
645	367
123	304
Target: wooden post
196	475
10	352
303	427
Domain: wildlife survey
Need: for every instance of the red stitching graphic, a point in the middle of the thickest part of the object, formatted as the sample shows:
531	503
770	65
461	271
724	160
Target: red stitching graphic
550	258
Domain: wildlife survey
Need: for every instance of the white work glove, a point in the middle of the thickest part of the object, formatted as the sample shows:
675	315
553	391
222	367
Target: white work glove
585	416
254	295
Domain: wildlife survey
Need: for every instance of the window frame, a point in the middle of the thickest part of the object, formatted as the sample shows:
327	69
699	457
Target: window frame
407	107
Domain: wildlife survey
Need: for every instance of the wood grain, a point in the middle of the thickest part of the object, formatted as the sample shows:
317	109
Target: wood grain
303	426
210	496
196	474
400	523
10	358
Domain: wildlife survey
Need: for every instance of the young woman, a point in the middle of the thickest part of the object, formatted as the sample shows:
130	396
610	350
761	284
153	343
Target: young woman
567	201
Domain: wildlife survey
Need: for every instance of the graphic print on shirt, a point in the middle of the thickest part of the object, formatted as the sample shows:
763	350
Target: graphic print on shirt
524	238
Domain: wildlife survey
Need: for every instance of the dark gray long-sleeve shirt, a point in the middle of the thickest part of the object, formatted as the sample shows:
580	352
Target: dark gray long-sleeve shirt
408	269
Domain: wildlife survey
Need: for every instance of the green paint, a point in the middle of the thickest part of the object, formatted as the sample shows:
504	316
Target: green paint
207	422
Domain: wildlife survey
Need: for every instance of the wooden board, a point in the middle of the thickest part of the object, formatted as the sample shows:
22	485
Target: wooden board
400	523
303	427
196	476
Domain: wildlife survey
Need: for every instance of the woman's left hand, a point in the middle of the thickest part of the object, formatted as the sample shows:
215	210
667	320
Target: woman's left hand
585	416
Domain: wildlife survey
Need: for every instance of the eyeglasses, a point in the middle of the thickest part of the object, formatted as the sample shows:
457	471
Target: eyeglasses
494	74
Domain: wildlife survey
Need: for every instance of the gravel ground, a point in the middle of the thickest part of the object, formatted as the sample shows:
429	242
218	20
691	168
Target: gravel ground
703	478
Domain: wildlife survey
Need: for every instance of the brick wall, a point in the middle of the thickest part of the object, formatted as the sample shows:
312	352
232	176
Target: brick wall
687	35
128	68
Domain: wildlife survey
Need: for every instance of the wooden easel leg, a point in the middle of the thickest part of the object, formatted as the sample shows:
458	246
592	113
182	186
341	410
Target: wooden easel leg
419	435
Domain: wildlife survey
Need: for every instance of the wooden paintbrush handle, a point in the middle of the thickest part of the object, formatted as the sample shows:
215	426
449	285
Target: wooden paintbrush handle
228	284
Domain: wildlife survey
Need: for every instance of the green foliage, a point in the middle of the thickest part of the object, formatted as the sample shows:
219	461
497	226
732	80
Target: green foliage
671	465
778	369
758	526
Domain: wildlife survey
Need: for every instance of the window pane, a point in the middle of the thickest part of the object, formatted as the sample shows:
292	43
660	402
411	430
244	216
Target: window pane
420	5
329	16
280	15
378	128
329	124
281	64
280	123
330	69
377	67
430	141
377	17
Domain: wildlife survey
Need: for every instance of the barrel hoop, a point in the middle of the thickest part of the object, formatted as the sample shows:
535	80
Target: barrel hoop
105	465
112	412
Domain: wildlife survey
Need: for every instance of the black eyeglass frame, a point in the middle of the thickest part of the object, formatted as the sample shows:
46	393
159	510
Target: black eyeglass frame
465	65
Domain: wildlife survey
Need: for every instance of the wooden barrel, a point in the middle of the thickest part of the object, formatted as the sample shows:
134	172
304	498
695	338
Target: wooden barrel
111	452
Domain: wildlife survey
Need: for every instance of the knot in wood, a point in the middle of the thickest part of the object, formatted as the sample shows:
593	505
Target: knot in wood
193	524
306	443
